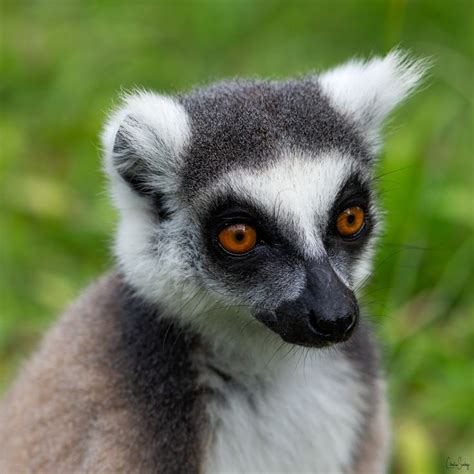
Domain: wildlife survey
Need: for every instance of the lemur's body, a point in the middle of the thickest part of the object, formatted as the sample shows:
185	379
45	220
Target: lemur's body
91	414
193	357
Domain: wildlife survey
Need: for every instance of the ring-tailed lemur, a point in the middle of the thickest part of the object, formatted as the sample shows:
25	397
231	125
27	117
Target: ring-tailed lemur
228	339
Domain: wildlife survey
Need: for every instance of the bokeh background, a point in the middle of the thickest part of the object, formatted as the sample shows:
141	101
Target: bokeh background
62	66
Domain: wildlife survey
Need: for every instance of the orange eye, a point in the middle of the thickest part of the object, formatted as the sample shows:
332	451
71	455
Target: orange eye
238	238
350	221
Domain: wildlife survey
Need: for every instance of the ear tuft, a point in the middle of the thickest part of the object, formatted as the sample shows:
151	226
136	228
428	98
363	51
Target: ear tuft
369	91
143	141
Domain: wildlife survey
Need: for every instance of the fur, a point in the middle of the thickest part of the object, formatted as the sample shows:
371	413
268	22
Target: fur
90	399
95	386
164	365
242	124
368	91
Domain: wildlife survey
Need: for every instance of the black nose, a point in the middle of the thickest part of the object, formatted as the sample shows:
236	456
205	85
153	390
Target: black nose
333	329
326	312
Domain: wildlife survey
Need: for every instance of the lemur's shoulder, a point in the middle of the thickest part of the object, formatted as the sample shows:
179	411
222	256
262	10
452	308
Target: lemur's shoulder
84	401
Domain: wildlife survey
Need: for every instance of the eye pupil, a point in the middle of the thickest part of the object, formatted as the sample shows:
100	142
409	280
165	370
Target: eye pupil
350	219
239	236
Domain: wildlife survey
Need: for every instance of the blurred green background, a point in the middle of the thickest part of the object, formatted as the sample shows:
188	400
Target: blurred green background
62	65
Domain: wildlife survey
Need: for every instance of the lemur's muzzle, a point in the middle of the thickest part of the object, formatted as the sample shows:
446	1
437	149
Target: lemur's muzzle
325	313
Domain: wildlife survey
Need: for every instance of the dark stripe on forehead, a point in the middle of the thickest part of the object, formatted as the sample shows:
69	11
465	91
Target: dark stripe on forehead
241	124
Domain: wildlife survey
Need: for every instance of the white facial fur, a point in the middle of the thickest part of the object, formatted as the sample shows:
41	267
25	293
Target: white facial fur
299	189
152	255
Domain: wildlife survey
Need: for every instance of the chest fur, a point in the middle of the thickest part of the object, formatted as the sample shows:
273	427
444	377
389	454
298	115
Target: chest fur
304	418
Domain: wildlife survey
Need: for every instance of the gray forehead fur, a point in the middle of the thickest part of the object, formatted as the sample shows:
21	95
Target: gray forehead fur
242	124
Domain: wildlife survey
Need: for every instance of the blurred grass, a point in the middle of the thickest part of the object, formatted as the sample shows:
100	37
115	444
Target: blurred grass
62	64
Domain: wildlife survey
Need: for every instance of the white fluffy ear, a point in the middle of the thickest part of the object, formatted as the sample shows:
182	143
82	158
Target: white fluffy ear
369	91
143	141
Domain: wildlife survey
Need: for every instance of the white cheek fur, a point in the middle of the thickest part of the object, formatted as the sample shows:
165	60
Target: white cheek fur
152	254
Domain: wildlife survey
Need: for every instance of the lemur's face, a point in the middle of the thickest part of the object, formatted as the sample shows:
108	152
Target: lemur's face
291	240
255	197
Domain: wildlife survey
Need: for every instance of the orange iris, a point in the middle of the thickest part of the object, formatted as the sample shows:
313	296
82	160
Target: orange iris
350	221
238	238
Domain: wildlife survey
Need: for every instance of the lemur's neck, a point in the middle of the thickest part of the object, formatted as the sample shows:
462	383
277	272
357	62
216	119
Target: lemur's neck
231	338
239	343
235	342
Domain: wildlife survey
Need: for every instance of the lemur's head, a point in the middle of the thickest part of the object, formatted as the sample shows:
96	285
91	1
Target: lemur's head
255	196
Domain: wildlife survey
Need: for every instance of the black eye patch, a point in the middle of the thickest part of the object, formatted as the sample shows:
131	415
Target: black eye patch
354	193
230	210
